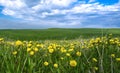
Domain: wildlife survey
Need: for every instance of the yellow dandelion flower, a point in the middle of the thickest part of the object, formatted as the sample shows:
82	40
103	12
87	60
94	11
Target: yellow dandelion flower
73	63
1	39
46	63
94	59
51	50
95	68
54	46
38	45
28	49
32	53
63	50
14	53
18	43
41	45
35	49
70	50
56	65
67	54
78	53
118	59
29	45
50	47
113	55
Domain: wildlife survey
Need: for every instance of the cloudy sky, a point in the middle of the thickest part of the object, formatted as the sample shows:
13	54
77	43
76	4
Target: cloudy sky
15	14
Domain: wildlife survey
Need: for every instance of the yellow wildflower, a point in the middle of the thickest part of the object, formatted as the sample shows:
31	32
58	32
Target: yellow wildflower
70	50
30	41
73	63
31	52
78	53
56	65
51	50
38	45
29	45
41	45
54	46
1	39
113	55
94	59
118	59
28	49
64	50
96	68
67	54
46	63
35	49
50	47
18	43
14	53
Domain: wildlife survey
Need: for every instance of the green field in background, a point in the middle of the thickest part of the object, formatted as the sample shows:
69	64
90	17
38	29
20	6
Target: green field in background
56	33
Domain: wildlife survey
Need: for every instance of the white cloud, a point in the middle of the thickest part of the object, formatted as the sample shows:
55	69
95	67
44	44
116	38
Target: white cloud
85	8
8	12
62	2
52	12
94	8
48	4
13	4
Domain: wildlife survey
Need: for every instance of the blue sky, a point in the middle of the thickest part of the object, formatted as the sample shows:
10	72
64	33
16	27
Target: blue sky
28	14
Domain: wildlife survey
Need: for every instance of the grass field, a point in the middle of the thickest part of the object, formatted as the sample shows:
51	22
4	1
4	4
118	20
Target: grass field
56	33
60	51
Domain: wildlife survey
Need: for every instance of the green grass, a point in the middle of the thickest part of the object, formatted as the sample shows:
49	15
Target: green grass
56	33
98	55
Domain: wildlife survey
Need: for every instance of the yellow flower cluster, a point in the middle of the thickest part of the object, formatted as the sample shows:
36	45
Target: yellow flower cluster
32	48
54	54
52	48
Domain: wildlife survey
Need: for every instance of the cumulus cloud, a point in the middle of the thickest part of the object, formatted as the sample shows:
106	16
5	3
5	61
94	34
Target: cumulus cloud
63	13
13	4
43	8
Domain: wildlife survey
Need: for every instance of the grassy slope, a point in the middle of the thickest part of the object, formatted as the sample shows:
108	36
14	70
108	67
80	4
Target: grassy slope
56	33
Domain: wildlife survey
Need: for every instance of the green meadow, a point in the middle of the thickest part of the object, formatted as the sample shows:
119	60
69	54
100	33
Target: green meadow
56	33
58	50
